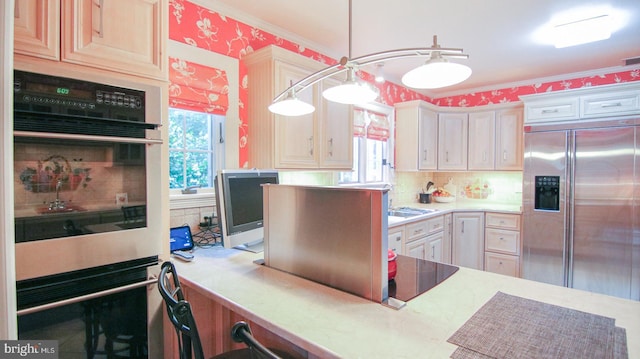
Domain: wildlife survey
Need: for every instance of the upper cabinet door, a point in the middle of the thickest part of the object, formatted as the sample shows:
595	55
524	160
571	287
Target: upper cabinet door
37	28
452	141
509	140
120	35
336	133
481	153
295	137
428	140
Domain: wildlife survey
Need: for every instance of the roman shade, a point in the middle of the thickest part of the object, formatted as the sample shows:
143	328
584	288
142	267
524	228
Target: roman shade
196	87
371	125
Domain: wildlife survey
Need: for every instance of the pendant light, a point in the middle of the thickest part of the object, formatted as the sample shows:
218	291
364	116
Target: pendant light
350	92
436	72
291	106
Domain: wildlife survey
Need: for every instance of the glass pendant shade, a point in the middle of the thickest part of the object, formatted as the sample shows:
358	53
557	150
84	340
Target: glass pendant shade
435	73
350	92
291	106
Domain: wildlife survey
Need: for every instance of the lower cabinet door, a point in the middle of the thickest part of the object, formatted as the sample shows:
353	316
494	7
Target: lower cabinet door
502	264
417	248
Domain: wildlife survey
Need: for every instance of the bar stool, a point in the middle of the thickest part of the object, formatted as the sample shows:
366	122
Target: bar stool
181	316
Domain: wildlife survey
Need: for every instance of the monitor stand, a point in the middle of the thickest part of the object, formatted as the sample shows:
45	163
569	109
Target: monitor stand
253	247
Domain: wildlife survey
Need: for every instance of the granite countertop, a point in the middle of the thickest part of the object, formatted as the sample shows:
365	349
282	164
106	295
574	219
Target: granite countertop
331	323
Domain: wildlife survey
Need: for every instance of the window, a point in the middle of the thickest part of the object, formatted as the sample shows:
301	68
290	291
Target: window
369	157
196	148
370	148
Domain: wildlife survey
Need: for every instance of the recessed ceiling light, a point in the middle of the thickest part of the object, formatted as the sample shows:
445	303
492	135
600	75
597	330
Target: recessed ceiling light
600	18
582	31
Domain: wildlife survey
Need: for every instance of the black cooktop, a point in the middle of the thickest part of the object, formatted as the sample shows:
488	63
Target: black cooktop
416	276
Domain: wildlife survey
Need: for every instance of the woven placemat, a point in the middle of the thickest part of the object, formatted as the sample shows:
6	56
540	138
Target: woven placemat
513	327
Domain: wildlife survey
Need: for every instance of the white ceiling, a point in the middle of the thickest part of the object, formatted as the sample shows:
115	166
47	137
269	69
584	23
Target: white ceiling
498	35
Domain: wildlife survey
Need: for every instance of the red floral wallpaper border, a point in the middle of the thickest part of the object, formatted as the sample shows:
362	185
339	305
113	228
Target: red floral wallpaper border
198	26
511	94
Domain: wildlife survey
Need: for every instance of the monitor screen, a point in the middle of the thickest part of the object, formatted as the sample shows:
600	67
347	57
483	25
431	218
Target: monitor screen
239	203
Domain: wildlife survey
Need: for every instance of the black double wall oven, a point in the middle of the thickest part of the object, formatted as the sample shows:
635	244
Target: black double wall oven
86	227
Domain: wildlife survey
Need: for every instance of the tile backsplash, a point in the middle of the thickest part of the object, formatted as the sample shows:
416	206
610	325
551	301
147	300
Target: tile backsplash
503	187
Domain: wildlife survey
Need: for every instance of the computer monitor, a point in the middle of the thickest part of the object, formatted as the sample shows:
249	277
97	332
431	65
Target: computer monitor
239	207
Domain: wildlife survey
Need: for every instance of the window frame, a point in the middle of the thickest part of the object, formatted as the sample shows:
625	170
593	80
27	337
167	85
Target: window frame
232	119
216	150
390	155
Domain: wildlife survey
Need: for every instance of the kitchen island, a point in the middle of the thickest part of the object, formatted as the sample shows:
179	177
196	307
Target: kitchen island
316	321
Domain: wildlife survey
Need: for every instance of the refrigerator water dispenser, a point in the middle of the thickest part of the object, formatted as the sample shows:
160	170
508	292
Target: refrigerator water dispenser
547	193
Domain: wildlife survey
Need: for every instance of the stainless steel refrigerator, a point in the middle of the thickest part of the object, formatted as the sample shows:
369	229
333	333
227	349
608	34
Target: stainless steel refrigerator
581	204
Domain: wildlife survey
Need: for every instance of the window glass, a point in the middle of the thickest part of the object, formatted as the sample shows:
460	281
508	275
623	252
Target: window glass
353	176
194	155
376	154
370	149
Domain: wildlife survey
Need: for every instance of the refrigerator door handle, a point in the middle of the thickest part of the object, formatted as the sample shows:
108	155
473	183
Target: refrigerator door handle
570	173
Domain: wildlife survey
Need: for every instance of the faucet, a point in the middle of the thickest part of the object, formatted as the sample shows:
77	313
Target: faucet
57	204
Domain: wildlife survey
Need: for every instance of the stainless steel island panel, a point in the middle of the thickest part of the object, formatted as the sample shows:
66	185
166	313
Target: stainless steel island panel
332	235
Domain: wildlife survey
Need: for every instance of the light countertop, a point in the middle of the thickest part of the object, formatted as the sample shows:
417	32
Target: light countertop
468	205
330	323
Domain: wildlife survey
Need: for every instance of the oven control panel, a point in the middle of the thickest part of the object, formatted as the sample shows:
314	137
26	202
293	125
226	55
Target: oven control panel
33	90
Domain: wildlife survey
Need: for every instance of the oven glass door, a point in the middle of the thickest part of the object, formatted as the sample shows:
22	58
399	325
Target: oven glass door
98	312
71	187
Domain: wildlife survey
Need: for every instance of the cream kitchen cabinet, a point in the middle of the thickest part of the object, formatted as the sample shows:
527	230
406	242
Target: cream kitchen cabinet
452	141
509	139
336	133
496	140
446	236
482	140
37	28
322	139
417	248
621	99
396	239
434	247
553	109
417	134
429	247
502	243
468	240
614	103
96	33
425	239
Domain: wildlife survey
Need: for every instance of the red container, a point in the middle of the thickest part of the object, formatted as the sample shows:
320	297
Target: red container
392	266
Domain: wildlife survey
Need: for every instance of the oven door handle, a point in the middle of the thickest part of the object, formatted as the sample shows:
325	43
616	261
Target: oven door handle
82	298
70	136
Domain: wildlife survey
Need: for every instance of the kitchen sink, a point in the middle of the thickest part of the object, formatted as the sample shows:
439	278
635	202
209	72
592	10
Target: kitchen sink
406	212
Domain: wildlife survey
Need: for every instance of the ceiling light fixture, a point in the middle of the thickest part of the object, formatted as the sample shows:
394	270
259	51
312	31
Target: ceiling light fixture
290	105
582	31
350	92
436	72
354	92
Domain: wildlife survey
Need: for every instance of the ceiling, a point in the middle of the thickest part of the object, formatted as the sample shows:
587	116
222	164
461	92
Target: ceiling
498	35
